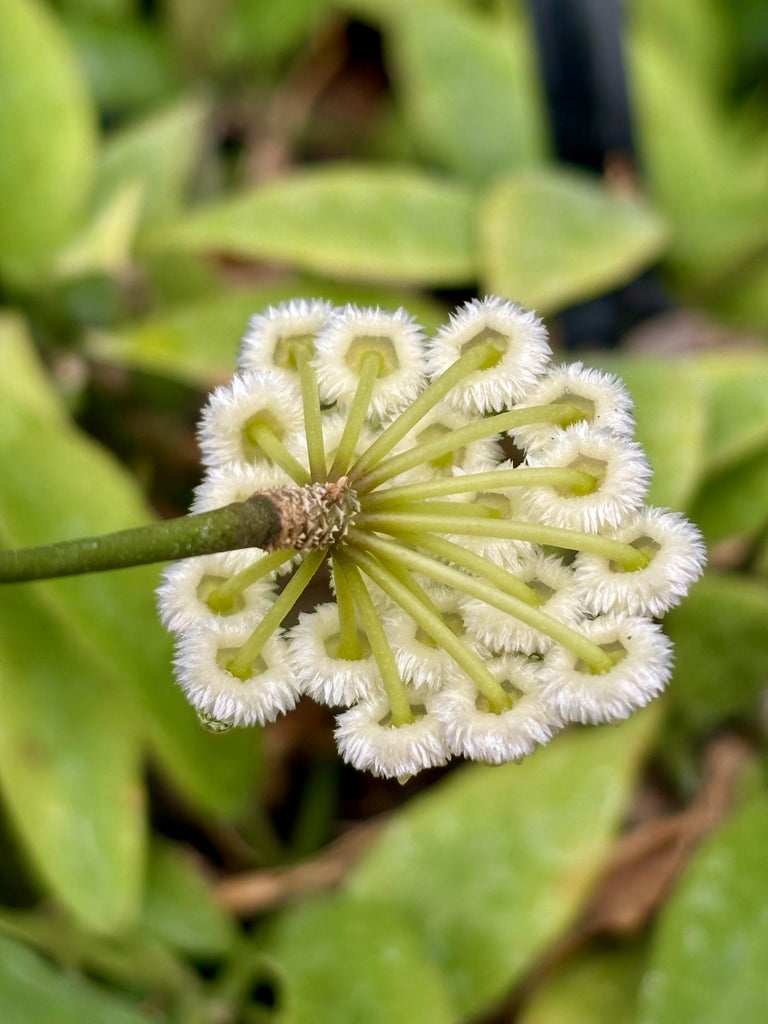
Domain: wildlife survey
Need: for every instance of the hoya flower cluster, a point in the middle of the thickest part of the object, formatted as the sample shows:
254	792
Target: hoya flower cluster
493	572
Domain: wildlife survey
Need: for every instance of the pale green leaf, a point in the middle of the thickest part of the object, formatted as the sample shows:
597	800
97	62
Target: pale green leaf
671	424
47	138
160	153
105	244
721	653
711	947
70	761
468	88
179	908
551	238
493	864
357	222
21	368
199	342
58	484
348	960
33	992
734	502
598	988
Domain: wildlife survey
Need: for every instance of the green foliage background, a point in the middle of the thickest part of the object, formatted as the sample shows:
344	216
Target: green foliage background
168	168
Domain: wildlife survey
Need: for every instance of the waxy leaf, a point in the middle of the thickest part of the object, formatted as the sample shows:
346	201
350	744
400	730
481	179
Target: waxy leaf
492	865
711	947
47	138
358	222
552	238
599	988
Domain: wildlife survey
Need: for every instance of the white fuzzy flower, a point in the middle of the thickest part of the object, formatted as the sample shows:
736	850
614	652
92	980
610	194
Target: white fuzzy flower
677	555
320	672
274	336
420	661
602	397
554	585
641	673
201	659
518	334
474	731
270	398
622	473
236	482
185	585
333	424
369	742
352	332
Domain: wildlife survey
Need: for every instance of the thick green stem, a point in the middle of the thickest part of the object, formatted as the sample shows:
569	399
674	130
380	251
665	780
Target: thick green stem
243	524
424	453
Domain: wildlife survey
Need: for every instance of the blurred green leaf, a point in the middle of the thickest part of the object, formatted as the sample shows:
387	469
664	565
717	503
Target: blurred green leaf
198	343
33	992
70	760
20	366
159	152
597	988
260	35
550	238
105	244
671	424
735	389
734	502
721	653
342	221
468	89
492	865
711	947
47	138
348	960
128	64
180	909
58	484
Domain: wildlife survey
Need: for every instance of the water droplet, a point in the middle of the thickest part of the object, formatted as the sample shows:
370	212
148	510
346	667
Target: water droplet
211	724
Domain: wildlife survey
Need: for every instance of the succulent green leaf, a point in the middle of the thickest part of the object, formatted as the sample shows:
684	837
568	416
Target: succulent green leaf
492	865
357	222
552	238
709	954
47	139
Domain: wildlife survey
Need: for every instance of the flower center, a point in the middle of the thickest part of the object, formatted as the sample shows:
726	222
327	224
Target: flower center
289	349
361	346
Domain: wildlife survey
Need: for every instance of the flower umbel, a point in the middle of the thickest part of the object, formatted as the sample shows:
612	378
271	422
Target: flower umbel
462	624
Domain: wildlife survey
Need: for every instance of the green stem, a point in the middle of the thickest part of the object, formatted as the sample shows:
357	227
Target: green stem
422	453
262	436
447	508
377	638
507	582
625	555
370	368
525	476
313	421
432	624
221	597
243	524
240	665
349	641
593	655
479	358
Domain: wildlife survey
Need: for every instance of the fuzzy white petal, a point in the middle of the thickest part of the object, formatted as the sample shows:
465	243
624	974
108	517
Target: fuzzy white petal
368	742
236	482
675	566
602	396
475	732
526	354
503	632
582	696
403	375
272	396
270	335
184	585
215	691
322	676
624	484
